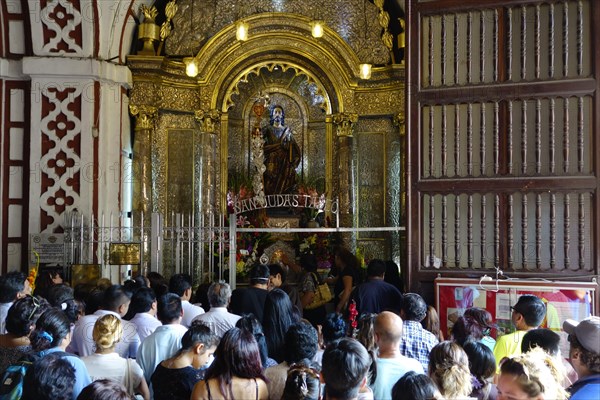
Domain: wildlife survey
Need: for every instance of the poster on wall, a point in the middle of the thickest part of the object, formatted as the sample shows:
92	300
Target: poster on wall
564	300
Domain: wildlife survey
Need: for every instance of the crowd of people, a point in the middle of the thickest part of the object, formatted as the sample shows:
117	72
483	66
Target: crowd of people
152	339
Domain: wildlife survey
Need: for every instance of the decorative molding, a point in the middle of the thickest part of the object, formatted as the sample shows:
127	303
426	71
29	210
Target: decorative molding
144	115
208	120
345	123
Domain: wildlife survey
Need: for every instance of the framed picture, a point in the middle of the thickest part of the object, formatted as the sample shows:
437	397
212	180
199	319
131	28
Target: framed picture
124	254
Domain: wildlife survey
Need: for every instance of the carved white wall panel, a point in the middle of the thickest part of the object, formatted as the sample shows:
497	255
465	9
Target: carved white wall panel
72	115
57	28
60	161
17	37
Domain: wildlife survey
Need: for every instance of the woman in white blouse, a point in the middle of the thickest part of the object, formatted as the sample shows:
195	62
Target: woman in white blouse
105	363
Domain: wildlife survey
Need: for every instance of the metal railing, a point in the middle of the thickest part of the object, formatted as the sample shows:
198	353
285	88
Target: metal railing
204	247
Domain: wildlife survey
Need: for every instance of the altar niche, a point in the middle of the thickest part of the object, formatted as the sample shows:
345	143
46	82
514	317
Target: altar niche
293	150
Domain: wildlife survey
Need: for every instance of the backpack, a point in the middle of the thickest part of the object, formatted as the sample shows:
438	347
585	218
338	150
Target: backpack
11	385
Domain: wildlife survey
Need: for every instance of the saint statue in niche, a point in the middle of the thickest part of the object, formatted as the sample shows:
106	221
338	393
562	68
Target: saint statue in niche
282	154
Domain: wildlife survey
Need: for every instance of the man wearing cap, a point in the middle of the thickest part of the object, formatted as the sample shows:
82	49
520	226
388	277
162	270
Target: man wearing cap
527	314
585	357
416	342
252	299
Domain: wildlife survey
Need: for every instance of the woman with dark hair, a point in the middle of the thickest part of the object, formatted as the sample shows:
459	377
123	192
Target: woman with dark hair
302	382
52	334
366	336
49	378
236	371
45	279
347	277
415	386
392	275
475	324
334	328
278	317
308	289
158	283
63	297
20	320
175	377
483	368
104	389
250	323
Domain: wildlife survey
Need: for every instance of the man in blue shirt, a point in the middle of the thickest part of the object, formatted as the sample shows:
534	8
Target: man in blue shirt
376	295
585	357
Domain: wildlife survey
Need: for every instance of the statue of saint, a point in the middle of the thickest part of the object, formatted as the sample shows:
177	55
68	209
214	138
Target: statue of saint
282	155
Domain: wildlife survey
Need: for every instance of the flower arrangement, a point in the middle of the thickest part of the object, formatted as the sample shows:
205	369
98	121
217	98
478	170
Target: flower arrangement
352	314
249	246
318	244
33	271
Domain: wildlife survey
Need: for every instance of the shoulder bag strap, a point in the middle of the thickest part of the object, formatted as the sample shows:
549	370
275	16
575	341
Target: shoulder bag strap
129	378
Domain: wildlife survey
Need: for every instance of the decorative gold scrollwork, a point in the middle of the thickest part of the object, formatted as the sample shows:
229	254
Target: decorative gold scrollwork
345	123
384	22
144	115
398	119
170	11
207	120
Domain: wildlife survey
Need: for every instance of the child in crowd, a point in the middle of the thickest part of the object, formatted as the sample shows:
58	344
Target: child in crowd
175	377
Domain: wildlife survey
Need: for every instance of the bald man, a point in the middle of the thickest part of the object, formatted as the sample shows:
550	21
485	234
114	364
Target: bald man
391	364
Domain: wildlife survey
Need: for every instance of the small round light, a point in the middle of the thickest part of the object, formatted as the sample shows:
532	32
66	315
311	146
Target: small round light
191	67
241	32
365	71
317	29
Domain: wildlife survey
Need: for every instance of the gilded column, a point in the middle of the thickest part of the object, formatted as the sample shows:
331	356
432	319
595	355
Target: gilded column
209	124
344	126
142	160
399	122
329	162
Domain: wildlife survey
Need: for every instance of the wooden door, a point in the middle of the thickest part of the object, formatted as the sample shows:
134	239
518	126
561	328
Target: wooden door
503	125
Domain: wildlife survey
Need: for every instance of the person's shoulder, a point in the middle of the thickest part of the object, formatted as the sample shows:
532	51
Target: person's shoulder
429	337
238	292
505	338
589	390
86	319
413	365
126	323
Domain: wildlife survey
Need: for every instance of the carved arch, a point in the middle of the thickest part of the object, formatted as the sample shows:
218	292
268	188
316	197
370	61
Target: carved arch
278	39
233	90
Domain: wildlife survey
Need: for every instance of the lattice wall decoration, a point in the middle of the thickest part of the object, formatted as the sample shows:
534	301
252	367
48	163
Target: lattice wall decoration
61	22
61	154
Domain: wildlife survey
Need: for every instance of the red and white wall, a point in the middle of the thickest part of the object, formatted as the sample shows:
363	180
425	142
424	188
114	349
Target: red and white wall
64	124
